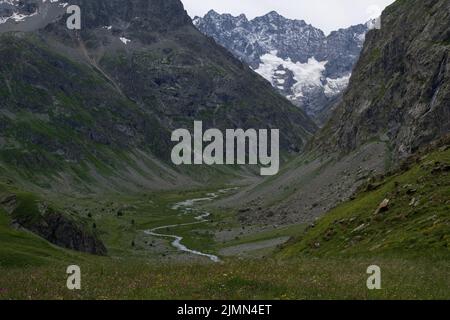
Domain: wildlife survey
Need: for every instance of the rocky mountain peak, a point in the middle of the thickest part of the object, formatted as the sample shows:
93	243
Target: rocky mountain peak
153	15
298	59
212	13
158	14
273	15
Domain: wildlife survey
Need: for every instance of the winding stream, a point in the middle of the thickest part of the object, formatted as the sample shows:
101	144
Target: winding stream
188	207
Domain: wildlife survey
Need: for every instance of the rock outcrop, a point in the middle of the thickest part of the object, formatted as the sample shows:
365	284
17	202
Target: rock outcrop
58	228
399	92
64	232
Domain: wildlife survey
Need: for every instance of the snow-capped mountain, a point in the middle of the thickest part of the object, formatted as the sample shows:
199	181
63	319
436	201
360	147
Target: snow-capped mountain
308	67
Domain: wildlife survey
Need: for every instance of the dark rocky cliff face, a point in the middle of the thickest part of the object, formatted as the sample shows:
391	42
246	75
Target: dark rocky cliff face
154	15
400	90
64	232
56	227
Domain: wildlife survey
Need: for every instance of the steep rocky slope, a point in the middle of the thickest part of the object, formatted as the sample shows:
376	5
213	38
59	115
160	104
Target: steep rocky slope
299	60
27	211
397	101
406	211
400	90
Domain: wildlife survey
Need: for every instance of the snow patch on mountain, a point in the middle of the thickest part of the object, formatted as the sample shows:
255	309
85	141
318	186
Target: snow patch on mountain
17	11
17	17
334	87
299	60
125	40
307	75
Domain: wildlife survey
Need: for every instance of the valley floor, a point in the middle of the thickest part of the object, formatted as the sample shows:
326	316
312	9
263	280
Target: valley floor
143	267
408	240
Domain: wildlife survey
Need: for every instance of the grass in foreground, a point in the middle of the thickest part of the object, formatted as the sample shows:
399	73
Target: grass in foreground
30	268
249	279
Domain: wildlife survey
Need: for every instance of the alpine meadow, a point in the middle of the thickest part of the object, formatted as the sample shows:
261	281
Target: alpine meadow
149	154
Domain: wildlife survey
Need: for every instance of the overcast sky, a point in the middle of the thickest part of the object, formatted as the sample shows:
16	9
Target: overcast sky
327	15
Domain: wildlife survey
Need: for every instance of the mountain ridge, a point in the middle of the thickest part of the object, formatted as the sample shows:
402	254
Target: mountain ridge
396	103
308	67
148	85
90	112
399	92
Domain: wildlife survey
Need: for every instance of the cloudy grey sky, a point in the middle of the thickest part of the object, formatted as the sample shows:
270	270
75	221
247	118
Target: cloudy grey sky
327	15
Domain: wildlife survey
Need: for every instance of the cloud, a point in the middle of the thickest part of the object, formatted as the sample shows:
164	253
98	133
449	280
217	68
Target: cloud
327	15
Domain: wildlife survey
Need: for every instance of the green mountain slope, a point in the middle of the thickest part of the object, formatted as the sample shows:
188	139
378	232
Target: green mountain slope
21	249
407	212
62	227
84	121
90	106
33	269
92	111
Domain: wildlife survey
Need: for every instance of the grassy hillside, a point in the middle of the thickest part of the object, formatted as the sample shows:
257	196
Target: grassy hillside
20	248
58	225
85	123
409	243
415	221
33	269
